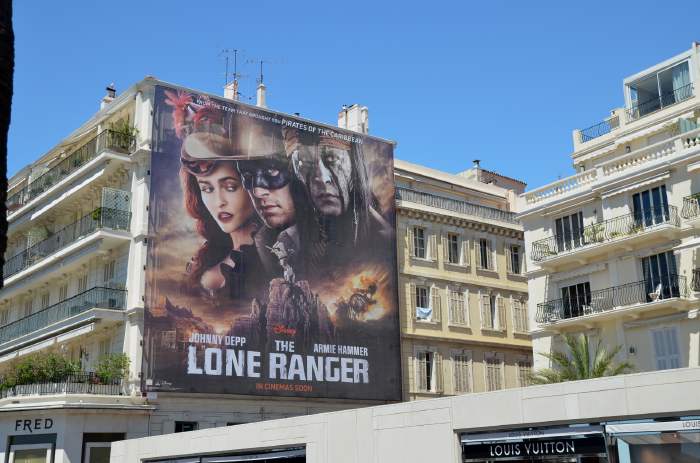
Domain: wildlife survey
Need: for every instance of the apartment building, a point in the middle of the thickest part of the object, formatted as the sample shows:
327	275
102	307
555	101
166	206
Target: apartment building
612	251
462	285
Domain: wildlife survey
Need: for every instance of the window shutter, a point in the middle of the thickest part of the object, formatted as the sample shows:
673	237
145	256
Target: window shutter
672	348
450	306
523	267
509	262
445	250
421	372
464	253
659	350
467	316
432	247
438	371
486	321
493	256
501	313
435	302
409	242
477	251
412	297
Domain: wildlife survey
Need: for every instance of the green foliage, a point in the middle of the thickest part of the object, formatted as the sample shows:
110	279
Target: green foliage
112	367
37	368
594	233
580	362
122	134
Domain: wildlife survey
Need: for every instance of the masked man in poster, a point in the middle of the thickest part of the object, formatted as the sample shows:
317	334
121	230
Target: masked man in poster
335	175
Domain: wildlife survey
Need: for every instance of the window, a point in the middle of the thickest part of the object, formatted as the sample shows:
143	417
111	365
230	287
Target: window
63	292
514	259
650	207
459	307
28	303
421	294
666	351
524	372
658	90
429	371
105	347
4	317
520	321
108	273
82	283
660	277
493	312
419	242
31	453
185	426
97	446
44	300
493	365
452	249
462	364
575	298
484	254
569	232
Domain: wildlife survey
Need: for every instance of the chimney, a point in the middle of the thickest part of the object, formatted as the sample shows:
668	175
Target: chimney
476	163
109	97
355	118
231	90
261	103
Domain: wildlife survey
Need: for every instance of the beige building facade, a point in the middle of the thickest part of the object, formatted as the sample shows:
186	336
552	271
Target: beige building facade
462	289
613	250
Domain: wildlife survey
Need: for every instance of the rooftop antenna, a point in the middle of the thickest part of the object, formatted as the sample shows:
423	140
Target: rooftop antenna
228	54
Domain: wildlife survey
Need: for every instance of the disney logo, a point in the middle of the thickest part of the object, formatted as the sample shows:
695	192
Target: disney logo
281	329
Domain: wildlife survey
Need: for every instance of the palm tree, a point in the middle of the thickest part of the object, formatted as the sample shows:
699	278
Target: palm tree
578	363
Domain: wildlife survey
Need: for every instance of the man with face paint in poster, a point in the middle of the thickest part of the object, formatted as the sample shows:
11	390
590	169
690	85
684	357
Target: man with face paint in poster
335	175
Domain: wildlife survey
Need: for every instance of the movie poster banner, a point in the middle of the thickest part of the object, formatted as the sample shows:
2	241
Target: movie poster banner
271	255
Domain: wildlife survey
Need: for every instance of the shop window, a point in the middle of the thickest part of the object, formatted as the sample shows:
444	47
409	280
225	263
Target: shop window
97	446
185	426
666	352
36	448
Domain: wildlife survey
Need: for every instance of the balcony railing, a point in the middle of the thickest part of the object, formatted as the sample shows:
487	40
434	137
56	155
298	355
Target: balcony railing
100	218
608	230
662	101
98	297
82	383
695	283
600	129
455	205
108	139
603	300
691	206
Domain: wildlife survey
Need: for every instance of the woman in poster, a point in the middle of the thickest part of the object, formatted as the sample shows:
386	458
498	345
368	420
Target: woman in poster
227	261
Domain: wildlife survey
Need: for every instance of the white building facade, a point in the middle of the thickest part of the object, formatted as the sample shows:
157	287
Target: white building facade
613	250
75	285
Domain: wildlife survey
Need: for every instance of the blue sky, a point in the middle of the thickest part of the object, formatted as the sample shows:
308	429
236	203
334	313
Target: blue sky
505	82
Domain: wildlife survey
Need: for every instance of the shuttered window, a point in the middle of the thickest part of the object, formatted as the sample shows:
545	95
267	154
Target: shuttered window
436	303
524	372
63	292
486	311
520	321
459	307
514	259
428	371
45	299
666	348
501	315
419	242
82	283
462	365
494	372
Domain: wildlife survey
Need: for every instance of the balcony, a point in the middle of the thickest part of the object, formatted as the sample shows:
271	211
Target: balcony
691	207
695	283
100	218
598	303
455	205
83	383
106	140
600	129
595	238
94	298
659	102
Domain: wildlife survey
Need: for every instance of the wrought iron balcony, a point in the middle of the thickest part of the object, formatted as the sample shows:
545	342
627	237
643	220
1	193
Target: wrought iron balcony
100	218
454	205
81	383
601	232
600	129
691	206
662	101
604	300
695	283
105	140
98	297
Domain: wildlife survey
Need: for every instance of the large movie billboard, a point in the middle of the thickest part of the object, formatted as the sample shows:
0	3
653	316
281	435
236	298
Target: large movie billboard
272	255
